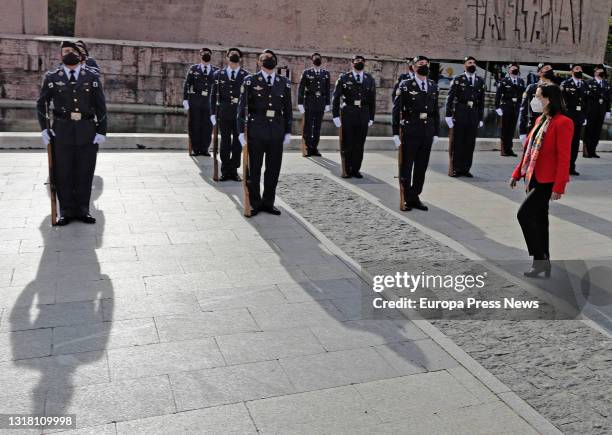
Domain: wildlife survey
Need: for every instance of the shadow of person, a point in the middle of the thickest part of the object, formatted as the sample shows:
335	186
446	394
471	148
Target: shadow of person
69	274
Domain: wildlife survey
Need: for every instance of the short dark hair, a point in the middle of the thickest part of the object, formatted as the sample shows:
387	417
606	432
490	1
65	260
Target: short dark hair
315	54
205	49
359	57
555	98
229	50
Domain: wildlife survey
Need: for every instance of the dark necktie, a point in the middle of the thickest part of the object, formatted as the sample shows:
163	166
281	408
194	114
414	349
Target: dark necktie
72	77
233	75
423	86
269	80
358	78
470	79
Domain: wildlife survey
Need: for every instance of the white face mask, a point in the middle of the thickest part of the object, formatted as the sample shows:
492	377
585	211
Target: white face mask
536	105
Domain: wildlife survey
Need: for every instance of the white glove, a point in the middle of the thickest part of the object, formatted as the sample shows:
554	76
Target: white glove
99	139
436	139
328	108
370	123
337	122
480	124
242	139
522	137
287	139
397	141
449	121
213	120
584	123
185	104
608	115
499	111
301	108
46	137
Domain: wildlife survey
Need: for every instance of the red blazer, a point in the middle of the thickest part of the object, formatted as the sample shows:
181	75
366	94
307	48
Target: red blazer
553	161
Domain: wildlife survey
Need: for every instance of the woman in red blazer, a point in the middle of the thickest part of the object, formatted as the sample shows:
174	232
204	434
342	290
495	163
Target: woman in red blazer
545	168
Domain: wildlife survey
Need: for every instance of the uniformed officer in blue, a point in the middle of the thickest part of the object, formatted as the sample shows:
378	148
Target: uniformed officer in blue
409	74
598	111
353	108
416	114
224	97
267	98
465	114
313	101
576	95
508	105
79	127
196	99
527	117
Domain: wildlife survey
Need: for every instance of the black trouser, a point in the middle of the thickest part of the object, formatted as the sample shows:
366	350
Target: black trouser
509	119
578	121
230	149
75	163
354	131
464	143
312	128
592	132
200	128
264	142
533	217
415	158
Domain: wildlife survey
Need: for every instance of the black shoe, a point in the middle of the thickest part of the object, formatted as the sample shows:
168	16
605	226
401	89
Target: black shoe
508	154
347	176
87	219
357	174
586	156
205	153
468	174
307	154
271	209
236	177
63	221
315	153
455	174
419	205
225	178
574	172
538	267
595	156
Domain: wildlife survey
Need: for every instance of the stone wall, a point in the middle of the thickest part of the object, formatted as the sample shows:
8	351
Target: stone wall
152	73
560	31
24	17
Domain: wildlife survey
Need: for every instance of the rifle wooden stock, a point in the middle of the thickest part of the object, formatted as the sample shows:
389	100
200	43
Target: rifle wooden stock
189	145
51	163
400	158
216	146
342	153
304	151
451	146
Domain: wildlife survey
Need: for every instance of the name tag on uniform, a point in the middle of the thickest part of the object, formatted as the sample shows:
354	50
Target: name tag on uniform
422	115
514	100
578	108
270	113
234	100
357	103
470	104
205	93
75	116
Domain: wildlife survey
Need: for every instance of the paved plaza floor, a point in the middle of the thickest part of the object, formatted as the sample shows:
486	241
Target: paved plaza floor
175	314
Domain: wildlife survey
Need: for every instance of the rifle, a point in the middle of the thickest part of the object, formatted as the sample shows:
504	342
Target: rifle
51	161
216	139
245	157
304	151
451	134
342	153
189	146
400	158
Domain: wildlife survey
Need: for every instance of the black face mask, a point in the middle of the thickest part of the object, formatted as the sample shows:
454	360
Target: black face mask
471	69
269	63
359	66
578	74
550	74
514	72
235	58
423	70
316	61
71	59
206	57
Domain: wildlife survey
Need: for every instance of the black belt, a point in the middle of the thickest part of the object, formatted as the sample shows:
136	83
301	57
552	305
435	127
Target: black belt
67	116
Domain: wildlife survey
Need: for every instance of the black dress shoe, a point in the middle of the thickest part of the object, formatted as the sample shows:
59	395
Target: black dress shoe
236	177
509	154
595	156
307	154
468	174
357	174
574	172
62	221
586	156
271	209
538	267
205	153
455	174
87	219
419	205
225	178
316	153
